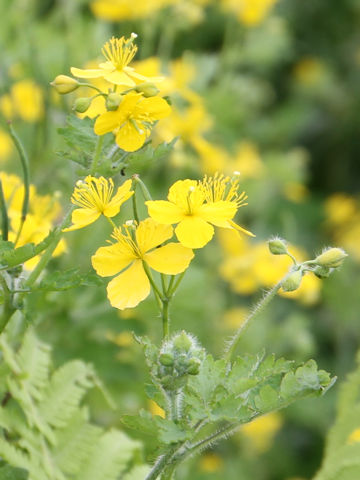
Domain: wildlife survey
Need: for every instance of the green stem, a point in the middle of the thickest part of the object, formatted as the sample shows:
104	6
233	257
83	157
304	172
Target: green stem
165	318
97	155
143	187
157	292
134	205
8	307
92	86
256	311
159	466
171	283
45	258
172	288
110	220
4	215
25	166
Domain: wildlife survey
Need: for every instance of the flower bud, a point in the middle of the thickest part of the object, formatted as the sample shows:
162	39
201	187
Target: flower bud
182	342
331	258
277	246
113	100
64	84
166	359
322	272
194	366
147	89
82	104
292	281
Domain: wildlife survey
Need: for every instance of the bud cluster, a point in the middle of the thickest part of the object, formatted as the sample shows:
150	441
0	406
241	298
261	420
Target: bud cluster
179	357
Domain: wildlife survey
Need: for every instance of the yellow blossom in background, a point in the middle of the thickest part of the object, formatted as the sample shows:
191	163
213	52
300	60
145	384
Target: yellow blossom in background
131	122
198	205
247	161
309	71
123	339
211	462
340	208
94	197
261	431
213	158
295	191
155	409
118	52
25	100
234	317
354	436
249	12
135	247
6	146
115	10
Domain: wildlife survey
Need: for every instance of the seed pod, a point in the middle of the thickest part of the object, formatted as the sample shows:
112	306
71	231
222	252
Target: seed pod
331	258
292	281
64	84
277	246
148	89
82	104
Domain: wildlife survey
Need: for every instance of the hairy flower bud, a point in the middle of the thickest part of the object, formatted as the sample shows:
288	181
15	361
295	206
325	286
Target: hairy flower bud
82	104
331	258
182	342
322	272
277	246
166	359
292	281
64	84
147	89
113	100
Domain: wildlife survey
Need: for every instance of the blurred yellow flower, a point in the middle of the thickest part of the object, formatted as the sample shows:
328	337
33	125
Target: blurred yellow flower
249	12
309	71
247	161
131	122
25	100
261	431
198	205
6	146
115	10
234	317
95	197
211	463
118	53
340	208
123	339
155	409
354	437
135	247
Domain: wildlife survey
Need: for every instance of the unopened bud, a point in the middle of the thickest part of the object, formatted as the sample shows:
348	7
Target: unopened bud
82	104
292	281
166	359
194	366
147	89
277	246
113	100
331	258
322	272
182	342
64	84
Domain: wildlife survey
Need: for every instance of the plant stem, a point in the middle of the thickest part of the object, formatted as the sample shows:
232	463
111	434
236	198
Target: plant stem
159	466
25	166
92	86
135	210
255	312
143	187
4	215
165	317
97	155
112	223
172	288
8	307
158	295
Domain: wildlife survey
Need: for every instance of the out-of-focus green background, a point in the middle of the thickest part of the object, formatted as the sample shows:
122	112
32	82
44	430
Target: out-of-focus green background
264	87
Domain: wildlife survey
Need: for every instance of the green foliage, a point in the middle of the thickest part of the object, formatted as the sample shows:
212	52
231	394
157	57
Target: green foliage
67	279
46	428
342	454
12	257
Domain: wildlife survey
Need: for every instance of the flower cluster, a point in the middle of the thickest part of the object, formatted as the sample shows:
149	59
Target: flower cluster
131	105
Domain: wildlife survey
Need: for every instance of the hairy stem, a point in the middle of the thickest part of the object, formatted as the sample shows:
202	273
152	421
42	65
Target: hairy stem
4	215
8	307
97	155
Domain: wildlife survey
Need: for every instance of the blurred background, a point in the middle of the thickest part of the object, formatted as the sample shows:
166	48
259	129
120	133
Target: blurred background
264	87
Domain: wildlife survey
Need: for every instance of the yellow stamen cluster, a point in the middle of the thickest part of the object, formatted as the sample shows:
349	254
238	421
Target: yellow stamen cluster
120	51
127	238
94	192
222	188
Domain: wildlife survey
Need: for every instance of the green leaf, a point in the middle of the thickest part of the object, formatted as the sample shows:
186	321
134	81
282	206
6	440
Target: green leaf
170	432
143	423
11	473
65	280
10	257
137	473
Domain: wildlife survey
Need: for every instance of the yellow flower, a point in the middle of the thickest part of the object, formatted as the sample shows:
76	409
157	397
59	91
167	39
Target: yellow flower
118	53
115	10
25	100
128	255
354	437
262	430
131	122
249	12
6	145
94	197
198	205
211	462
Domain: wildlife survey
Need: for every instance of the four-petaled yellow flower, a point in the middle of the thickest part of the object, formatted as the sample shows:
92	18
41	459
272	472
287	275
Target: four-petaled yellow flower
198	205
118	52
95	197
133	249
131	122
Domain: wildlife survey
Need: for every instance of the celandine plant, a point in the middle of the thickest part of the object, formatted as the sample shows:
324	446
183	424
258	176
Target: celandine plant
204	399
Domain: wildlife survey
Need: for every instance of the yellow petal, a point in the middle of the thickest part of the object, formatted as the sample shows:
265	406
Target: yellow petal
142	78
180	189
119	78
129	138
155	107
110	260
218	213
171	259
240	229
123	193
129	288
107	122
164	212
82	217
194	232
88	73
151	234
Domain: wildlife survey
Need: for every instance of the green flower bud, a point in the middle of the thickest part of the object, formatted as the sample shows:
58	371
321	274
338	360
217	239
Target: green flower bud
182	342
194	366
113	100
147	89
331	258
292	281
64	84
82	104
322	272
277	246
166	359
